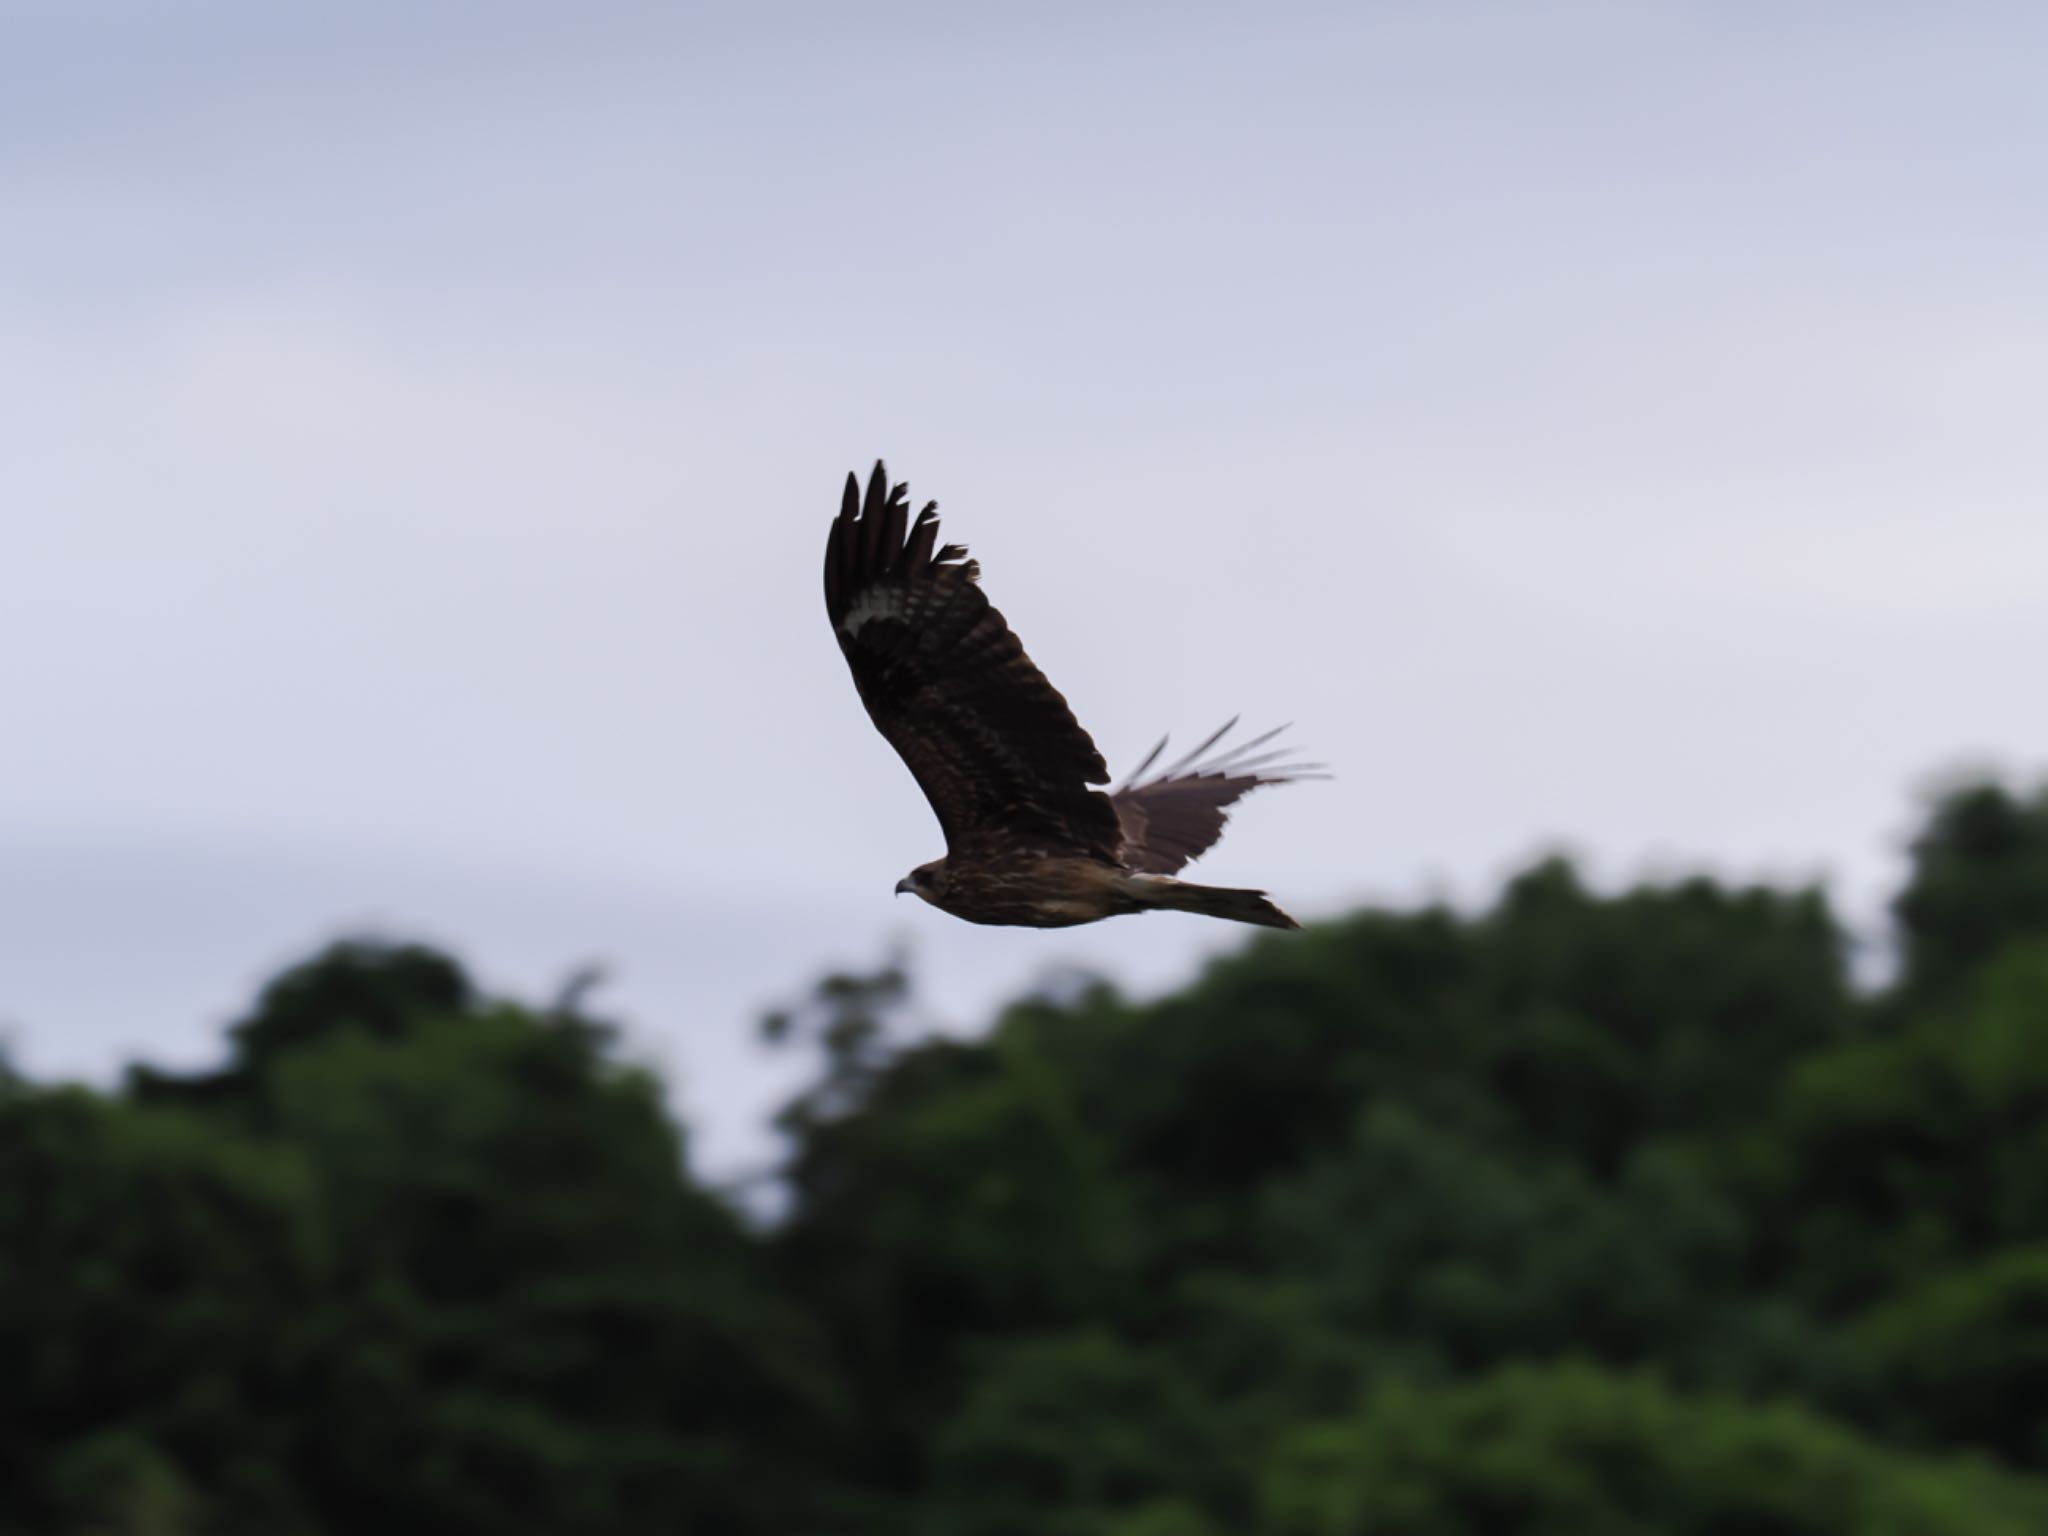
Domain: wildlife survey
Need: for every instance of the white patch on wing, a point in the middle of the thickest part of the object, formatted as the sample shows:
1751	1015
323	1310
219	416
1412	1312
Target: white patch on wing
875	603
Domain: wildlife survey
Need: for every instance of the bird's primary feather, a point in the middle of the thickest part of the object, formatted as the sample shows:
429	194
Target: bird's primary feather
1178	814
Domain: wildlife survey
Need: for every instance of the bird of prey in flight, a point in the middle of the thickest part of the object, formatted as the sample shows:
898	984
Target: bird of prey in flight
999	754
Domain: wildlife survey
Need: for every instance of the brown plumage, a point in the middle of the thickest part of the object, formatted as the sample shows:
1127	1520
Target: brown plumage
1000	756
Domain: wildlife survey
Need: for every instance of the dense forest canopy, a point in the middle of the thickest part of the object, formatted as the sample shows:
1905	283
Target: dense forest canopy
1583	1216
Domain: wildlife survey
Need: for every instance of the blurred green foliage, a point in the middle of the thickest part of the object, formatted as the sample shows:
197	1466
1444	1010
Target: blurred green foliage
1585	1216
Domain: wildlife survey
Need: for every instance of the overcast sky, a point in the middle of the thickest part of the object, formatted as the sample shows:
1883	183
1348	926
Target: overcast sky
1615	427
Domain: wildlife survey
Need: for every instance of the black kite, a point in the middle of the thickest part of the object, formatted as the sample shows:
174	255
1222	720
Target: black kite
999	754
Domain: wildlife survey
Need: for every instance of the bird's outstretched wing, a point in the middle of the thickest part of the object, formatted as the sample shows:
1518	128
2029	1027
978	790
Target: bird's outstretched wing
1178	814
991	743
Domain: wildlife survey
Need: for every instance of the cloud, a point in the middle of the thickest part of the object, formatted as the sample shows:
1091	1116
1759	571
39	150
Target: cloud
1592	424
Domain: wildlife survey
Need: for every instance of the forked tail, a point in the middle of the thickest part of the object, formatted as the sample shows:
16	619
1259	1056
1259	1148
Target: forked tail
1168	895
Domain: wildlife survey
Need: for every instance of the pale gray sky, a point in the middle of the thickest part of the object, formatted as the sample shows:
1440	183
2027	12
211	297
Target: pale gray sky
1614	426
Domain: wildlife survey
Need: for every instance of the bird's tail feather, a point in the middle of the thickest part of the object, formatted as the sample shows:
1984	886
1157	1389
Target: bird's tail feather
1239	906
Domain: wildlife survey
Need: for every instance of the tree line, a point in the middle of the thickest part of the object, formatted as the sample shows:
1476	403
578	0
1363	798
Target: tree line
1583	1215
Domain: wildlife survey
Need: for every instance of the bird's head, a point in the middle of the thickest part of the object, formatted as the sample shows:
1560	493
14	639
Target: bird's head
927	880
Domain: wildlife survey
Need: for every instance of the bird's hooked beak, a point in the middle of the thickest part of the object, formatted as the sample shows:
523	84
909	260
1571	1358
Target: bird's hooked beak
904	885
